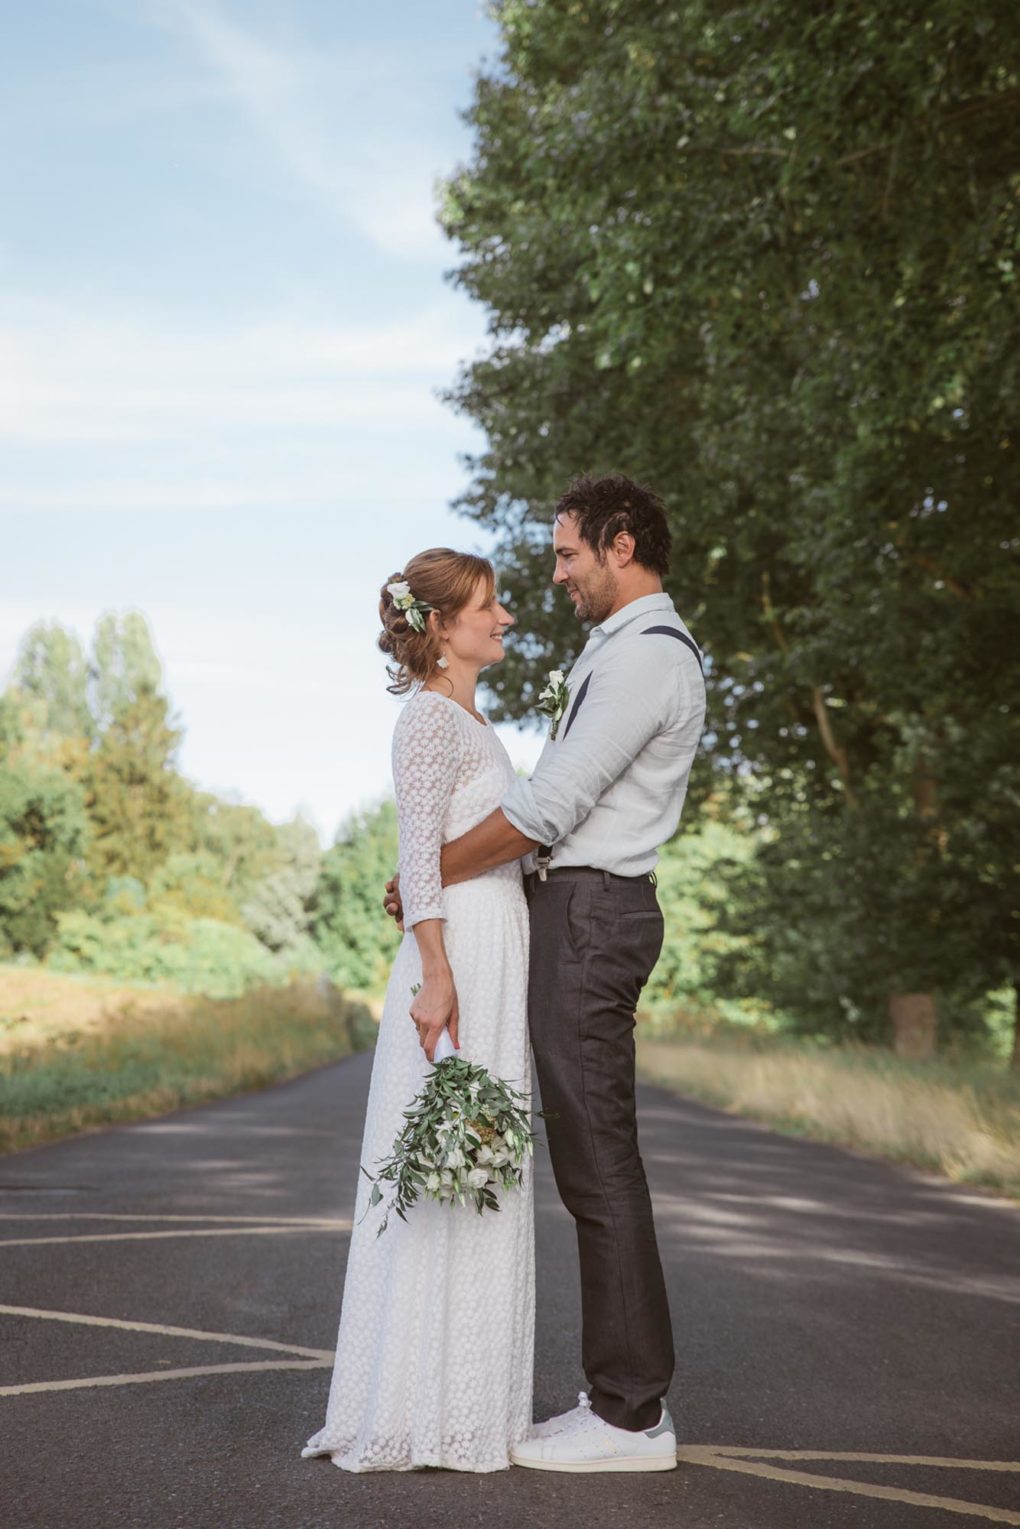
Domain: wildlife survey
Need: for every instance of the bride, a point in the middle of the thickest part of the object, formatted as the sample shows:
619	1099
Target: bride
434	1356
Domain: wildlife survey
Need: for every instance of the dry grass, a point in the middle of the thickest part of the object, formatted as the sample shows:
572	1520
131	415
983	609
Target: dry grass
76	1054
962	1121
38	1006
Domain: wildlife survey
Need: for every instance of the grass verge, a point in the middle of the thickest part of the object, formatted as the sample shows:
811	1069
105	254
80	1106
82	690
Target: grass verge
157	1053
960	1120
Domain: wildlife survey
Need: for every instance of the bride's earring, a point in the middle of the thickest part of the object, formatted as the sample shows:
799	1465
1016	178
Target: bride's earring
442	662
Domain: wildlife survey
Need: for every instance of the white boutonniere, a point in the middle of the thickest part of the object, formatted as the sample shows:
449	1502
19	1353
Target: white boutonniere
552	701
414	610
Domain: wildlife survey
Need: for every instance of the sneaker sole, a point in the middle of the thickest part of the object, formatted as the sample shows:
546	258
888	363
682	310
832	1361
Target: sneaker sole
621	1463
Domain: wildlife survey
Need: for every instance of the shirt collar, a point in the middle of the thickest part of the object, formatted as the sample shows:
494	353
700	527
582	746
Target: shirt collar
645	606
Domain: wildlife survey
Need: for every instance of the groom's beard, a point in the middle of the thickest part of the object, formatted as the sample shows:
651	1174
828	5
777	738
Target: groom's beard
595	600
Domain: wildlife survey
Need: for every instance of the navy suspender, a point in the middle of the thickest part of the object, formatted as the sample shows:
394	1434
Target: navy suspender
544	852
671	631
665	631
579	697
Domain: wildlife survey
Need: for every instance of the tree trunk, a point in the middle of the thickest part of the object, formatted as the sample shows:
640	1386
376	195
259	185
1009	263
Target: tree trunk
914	1024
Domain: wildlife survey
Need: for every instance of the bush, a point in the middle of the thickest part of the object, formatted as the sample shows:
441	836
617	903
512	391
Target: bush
196	955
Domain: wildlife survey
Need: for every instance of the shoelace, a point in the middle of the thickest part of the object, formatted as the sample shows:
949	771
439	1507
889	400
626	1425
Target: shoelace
587	1418
583	1407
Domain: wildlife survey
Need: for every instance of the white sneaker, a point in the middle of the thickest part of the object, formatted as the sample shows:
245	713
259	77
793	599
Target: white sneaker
586	1442
562	1419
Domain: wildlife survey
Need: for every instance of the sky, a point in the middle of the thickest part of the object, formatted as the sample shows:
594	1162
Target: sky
224	324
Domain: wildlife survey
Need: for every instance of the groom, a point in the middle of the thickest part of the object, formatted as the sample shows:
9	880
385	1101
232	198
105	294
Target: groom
607	791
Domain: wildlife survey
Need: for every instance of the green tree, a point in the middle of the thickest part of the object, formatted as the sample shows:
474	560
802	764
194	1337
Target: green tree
693	892
237	836
192	882
763	259
348	922
139	805
46	722
123	665
51	668
278	910
43	835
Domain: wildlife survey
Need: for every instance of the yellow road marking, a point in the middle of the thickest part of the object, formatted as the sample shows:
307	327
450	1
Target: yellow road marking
829	1454
724	1458
211	1231
716	1457
320	1355
135	1380
102	1215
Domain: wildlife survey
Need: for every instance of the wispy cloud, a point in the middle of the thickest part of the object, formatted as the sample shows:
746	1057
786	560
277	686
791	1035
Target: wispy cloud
279	411
65	377
344	139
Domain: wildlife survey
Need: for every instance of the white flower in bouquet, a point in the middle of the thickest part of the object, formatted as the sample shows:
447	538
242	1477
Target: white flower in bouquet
466	1136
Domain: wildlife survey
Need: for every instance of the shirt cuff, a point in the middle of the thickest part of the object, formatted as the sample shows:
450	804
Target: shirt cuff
521	812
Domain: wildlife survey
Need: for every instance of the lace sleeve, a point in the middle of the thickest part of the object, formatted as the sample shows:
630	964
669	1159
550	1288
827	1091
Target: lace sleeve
426	760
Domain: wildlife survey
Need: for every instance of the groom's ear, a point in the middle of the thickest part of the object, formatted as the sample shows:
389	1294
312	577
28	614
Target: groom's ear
621	548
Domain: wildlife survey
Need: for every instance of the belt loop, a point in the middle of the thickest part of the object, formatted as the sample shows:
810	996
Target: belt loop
653	878
605	878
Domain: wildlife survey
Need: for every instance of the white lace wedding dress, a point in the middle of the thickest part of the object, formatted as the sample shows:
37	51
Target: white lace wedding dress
434	1356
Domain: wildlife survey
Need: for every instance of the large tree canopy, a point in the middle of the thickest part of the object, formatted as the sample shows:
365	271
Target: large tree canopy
761	256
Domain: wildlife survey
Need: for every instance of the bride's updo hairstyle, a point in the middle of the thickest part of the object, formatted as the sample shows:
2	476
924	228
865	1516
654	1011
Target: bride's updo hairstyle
445	580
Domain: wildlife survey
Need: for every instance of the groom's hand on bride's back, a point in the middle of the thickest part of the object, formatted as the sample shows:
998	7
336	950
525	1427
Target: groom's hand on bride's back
391	902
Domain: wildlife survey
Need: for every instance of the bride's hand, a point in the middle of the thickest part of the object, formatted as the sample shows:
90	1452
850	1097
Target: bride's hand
435	1005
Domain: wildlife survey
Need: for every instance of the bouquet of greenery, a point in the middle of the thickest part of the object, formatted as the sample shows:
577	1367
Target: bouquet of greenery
467	1134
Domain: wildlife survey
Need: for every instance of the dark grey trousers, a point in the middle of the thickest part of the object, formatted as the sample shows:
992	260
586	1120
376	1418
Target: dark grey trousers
594	941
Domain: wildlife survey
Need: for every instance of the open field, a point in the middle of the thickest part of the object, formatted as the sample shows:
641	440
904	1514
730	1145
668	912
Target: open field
961	1120
37	1006
80	1052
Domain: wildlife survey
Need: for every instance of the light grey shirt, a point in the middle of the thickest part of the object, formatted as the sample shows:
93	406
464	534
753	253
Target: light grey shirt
609	791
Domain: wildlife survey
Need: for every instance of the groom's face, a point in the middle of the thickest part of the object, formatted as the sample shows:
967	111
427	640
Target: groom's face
590	584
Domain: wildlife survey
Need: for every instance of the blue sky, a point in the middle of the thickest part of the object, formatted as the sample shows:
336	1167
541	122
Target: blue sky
223	322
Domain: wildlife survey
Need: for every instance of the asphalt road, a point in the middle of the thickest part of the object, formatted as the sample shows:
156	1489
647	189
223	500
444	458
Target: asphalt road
847	1333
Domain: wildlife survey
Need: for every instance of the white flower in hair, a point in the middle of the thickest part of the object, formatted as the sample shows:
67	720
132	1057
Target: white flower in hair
414	610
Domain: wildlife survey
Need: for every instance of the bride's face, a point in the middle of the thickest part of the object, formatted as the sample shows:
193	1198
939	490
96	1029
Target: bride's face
476	634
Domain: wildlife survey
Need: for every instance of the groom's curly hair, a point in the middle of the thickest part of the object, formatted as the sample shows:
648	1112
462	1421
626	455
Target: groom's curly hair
603	507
